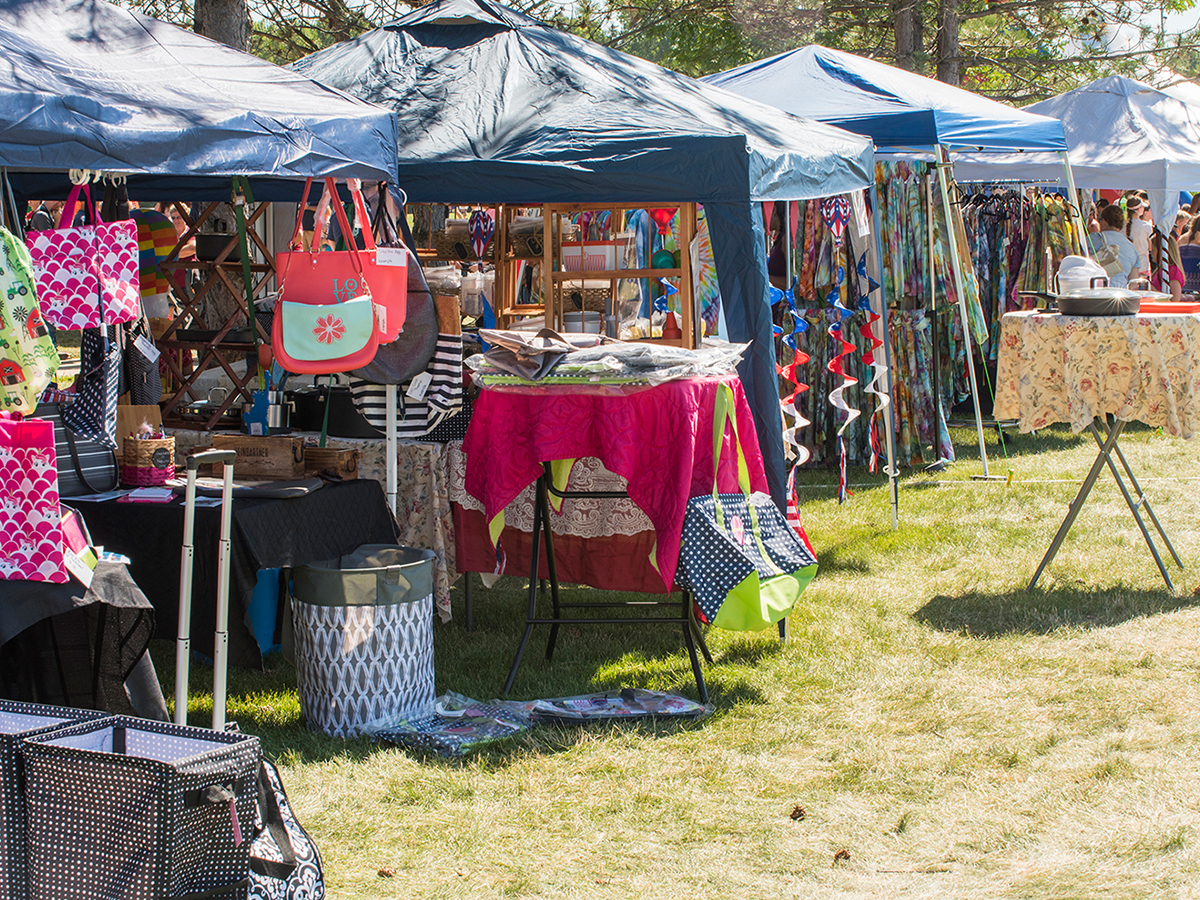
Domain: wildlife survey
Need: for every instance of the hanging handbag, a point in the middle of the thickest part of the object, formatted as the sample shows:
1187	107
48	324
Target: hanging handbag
319	276
145	385
410	353
328	330
75	264
28	357
30	524
742	562
93	412
284	862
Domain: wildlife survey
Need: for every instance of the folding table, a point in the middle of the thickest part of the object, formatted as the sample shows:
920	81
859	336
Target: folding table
656	438
1084	369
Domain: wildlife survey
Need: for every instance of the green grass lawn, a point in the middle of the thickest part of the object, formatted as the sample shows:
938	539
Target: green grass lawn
945	732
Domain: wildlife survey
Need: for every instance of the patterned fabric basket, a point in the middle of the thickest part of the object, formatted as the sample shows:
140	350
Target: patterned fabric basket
149	461
17	721
139	810
363	629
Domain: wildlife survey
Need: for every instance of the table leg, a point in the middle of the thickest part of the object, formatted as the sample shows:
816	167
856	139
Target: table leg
469	601
1142	500
1133	507
689	610
690	641
543	499
531	614
1077	503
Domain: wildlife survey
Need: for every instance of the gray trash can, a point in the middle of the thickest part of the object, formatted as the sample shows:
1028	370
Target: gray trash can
363	632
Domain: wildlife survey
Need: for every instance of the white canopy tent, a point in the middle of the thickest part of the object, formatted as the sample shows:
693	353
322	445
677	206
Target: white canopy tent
1121	134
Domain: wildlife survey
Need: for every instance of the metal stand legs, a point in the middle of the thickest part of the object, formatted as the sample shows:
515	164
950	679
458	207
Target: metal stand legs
541	530
1108	445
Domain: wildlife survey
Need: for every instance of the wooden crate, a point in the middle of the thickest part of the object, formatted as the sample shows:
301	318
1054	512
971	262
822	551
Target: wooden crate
277	456
342	462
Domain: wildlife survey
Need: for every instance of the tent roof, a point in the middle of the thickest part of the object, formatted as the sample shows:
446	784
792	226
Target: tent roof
85	84
894	107
499	106
1121	133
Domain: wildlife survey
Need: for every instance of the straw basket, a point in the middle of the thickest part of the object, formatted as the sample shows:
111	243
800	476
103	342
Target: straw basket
459	248
595	299
531	245
148	462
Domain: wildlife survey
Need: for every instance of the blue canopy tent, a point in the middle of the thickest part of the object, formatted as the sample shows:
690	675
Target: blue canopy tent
506	109
88	85
901	112
895	108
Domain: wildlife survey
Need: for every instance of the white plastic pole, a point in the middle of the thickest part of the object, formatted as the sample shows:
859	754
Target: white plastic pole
390	399
221	635
886	337
183	631
943	164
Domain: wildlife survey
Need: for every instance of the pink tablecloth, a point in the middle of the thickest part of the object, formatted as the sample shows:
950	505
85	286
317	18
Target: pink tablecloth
659	439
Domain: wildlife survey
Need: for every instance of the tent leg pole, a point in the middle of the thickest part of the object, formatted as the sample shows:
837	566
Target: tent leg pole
1076	210
955	267
890	418
390	397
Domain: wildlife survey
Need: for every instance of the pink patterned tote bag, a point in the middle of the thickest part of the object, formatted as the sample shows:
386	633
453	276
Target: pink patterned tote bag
75	265
30	519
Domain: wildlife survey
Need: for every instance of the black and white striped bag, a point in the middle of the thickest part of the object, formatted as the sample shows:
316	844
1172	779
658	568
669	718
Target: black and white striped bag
417	418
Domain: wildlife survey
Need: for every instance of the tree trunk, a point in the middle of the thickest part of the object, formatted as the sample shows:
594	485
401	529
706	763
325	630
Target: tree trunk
906	25
949	64
227	21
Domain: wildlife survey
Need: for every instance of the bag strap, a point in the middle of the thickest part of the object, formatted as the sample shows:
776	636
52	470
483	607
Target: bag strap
273	822
83	479
362	217
296	243
67	214
344	224
724	411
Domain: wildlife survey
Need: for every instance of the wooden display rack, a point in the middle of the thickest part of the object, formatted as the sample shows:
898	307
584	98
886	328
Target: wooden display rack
216	349
553	279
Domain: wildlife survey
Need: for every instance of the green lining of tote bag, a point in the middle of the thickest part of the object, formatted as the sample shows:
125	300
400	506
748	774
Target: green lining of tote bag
754	603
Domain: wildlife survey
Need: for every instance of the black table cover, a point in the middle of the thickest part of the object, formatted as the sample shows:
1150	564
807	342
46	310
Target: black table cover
68	645
267	534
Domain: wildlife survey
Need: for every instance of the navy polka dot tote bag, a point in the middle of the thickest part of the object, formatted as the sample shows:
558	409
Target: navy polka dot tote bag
743	564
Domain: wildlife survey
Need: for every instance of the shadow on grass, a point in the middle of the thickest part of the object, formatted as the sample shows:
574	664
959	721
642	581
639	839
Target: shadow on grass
1044	611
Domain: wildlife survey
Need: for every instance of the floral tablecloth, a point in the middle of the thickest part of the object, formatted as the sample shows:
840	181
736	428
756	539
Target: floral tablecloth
1055	368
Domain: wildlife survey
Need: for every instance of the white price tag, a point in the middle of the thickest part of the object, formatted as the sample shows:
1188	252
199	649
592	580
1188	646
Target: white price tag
380	317
391	256
146	348
77	567
418	386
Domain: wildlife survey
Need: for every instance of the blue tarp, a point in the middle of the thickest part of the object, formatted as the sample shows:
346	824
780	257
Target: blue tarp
85	84
896	108
498	107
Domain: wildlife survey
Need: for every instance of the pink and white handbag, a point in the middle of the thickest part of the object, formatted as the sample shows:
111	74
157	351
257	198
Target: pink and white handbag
76	266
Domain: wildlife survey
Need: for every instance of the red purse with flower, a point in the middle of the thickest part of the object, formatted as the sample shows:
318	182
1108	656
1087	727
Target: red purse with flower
319	338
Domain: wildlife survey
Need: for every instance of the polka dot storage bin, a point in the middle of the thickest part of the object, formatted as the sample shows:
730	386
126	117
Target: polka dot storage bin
18	721
141	810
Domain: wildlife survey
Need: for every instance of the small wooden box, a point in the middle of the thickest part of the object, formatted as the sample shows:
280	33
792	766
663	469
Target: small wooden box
342	462
278	456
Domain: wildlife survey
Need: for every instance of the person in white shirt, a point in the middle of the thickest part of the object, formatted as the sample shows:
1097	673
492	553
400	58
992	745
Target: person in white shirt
1112	233
1138	228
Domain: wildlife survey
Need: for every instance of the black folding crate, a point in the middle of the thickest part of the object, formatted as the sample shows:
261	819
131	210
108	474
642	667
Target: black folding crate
19	720
130	809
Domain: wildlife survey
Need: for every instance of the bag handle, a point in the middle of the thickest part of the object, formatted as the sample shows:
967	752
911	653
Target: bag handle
723	412
273	821
296	243
67	214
